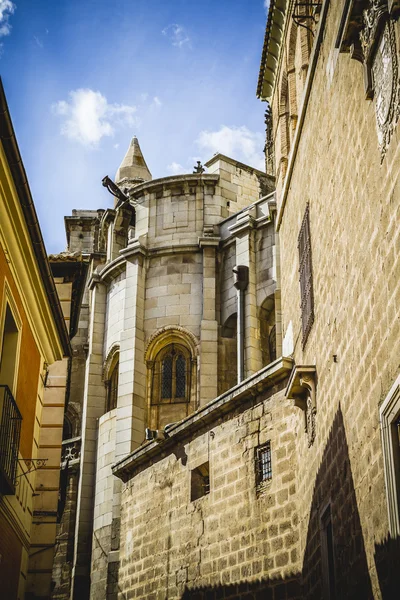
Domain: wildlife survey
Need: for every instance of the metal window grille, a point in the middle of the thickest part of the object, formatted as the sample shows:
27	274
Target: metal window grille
264	463
166	379
306	279
10	430
180	368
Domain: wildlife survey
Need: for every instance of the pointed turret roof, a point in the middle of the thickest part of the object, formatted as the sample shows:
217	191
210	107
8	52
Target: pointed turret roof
133	166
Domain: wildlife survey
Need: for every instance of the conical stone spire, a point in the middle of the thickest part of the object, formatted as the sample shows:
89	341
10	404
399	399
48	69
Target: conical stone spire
133	166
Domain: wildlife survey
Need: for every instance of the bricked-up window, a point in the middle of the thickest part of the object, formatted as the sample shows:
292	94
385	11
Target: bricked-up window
263	464
200	482
306	279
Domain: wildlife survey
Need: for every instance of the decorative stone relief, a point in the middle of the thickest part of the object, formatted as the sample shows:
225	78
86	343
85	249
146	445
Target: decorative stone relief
384	71
378	43
370	38
302	389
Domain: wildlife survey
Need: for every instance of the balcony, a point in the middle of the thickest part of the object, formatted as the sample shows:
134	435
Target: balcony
10	430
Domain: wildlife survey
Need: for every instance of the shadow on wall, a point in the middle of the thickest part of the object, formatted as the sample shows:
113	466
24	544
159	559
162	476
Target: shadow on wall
335	564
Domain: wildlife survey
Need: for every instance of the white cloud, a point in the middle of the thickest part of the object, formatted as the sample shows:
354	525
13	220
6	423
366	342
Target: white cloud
236	142
266	5
176	169
177	35
38	41
7	8
88	117
157	101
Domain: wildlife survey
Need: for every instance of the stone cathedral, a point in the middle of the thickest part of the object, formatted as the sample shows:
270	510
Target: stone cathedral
178	270
233	399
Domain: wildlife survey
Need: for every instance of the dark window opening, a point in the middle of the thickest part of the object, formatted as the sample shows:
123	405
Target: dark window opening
166	383
9	351
200	482
396	455
263	464
112	395
180	377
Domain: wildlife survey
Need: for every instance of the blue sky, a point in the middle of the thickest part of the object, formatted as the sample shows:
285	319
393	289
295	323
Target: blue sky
82	77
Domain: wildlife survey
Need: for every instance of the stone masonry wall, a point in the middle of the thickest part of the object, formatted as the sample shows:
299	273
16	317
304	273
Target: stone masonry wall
114	312
174	292
354	203
173	546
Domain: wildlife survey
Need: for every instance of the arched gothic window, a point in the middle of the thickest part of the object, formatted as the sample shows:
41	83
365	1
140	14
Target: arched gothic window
112	388
170	385
172	371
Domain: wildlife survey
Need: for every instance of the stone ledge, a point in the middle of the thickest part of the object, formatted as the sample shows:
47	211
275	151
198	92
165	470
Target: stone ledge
192	178
252	386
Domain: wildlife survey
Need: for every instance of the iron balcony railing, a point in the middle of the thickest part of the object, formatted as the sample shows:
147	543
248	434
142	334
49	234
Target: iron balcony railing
10	430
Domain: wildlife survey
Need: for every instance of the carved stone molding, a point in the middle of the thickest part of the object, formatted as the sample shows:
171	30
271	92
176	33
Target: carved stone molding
367	32
373	21
302	389
386	86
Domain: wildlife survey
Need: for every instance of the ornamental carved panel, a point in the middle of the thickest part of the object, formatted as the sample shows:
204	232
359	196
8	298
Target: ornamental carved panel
367	32
384	72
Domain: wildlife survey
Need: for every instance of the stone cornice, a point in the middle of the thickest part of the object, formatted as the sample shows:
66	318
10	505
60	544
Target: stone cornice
271	48
207	242
192	178
256	384
236	163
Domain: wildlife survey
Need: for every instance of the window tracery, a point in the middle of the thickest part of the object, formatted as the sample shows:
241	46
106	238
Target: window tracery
171	375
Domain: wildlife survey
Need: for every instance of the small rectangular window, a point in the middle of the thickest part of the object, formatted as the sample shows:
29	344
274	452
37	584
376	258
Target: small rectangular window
263	465
306	277
200	481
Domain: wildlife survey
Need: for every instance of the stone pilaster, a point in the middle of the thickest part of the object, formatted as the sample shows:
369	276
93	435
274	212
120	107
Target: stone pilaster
93	407
132	369
246	255
209	324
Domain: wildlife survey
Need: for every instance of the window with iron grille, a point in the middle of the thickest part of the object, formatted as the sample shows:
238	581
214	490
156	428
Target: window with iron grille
173	366
263	464
10	430
306	279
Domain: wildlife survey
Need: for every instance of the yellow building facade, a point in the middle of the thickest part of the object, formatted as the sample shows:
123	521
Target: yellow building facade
33	336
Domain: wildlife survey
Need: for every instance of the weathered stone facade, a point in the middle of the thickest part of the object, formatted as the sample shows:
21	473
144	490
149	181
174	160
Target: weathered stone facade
238	533
334	164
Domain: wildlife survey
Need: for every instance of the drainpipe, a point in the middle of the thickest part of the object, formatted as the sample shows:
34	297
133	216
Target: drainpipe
241	282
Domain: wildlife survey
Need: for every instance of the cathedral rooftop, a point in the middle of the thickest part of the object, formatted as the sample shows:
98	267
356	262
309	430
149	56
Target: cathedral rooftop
133	166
